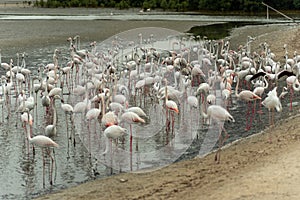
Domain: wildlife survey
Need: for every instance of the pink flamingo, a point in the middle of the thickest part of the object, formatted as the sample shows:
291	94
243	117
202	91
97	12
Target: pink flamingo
131	118
248	96
170	105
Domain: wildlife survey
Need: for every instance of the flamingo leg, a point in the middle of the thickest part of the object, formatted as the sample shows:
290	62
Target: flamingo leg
270	123
44	163
273	117
52	164
73	129
173	121
137	144
291	98
252	115
254	109
89	137
247	116
167	121
130	150
130	140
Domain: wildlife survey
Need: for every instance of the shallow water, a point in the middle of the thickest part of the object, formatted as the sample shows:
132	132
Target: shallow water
21	172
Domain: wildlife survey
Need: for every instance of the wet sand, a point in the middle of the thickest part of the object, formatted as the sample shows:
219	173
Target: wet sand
251	168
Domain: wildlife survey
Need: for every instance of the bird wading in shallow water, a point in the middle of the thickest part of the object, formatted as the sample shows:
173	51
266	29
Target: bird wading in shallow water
220	115
45	143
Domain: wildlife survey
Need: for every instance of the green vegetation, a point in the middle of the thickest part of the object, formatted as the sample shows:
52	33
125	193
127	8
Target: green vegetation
176	5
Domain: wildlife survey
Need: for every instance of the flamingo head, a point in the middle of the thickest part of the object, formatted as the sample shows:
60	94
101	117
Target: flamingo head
231	119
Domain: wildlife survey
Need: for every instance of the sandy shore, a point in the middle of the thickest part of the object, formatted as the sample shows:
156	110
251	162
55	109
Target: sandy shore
251	168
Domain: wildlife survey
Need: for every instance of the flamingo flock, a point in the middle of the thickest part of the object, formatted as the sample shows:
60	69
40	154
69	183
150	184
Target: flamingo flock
106	90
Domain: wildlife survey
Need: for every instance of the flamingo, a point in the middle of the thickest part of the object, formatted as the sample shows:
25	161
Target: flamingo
291	81
46	99
82	106
20	79
170	105
272	102
51	129
211	99
4	65
203	88
221	115
45	143
113	133
55	91
192	101
248	96
259	90
131	118
109	119
93	114
116	107
137	110
68	110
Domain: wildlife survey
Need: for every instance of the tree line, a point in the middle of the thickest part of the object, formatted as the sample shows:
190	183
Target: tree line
176	5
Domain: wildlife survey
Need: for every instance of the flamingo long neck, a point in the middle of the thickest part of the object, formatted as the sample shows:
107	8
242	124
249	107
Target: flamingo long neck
175	79
266	82
24	99
205	115
296	85
200	56
151	66
23	64
46	88
103	106
28	132
28	129
107	141
78	42
54	113
236	88
18	61
166	92
10	71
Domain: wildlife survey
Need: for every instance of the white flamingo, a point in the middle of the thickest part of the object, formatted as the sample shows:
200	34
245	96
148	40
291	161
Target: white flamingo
45	143
221	115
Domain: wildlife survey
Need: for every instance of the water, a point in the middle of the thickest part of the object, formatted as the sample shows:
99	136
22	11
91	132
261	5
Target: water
21	173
